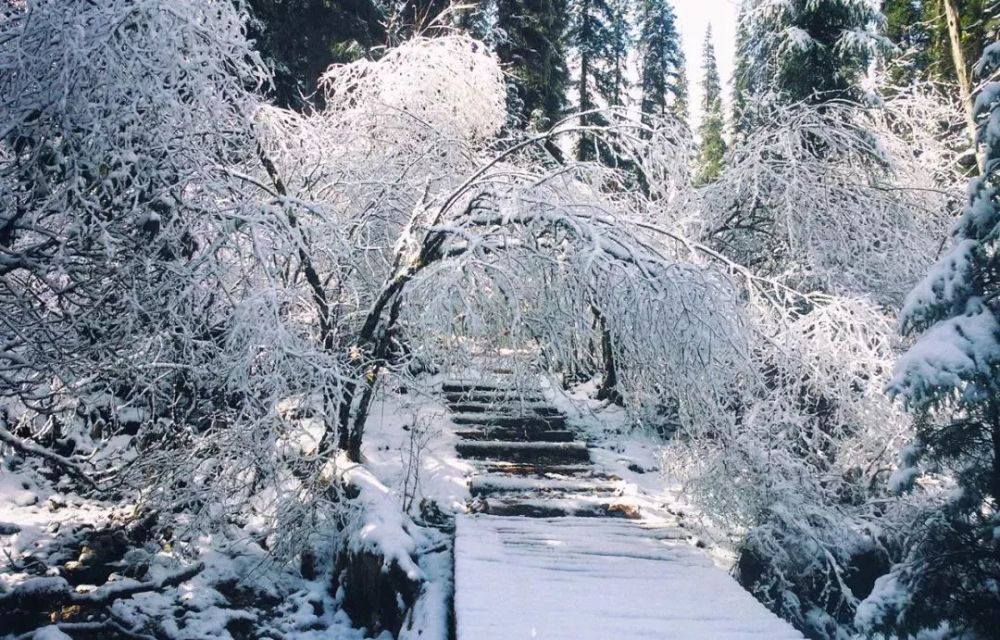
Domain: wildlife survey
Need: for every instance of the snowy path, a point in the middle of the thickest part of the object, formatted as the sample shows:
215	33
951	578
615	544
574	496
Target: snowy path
556	576
595	579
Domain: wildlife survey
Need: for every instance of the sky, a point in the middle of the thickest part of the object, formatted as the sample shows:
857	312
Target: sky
693	17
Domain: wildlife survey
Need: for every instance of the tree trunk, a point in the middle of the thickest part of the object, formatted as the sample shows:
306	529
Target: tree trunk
953	18
609	384
373	344
583	152
993	415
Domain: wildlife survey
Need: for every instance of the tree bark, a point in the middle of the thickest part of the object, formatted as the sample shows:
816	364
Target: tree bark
993	413
953	18
609	384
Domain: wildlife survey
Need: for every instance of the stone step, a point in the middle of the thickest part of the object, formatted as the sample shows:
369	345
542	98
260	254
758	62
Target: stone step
512	398
510	486
517	435
509	409
465	387
510	422
559	508
528	469
534	452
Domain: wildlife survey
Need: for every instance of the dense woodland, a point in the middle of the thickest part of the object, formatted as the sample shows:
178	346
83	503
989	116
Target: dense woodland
227	227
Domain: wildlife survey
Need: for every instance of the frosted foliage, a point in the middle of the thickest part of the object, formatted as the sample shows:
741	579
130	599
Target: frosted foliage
849	42
952	352
144	244
836	198
795	470
395	135
946	285
112	146
538	259
451	83
683	340
818	405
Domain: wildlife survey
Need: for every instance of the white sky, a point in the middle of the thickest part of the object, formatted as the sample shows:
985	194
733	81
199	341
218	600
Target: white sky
693	17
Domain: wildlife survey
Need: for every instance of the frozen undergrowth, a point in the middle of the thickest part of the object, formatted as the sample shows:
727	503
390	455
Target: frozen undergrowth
409	483
240	592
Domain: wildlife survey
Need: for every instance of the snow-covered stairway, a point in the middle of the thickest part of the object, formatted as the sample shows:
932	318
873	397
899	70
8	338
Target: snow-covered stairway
583	565
528	463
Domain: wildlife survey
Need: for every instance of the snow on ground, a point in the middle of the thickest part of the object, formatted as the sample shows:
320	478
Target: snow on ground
239	590
595	578
410	447
637	457
410	463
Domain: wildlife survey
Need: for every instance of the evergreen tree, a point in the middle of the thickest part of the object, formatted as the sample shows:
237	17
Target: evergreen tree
804	50
954	370
478	19
599	34
531	45
713	147
426	18
299	39
661	60
922	25
621	46
680	106
906	26
744	79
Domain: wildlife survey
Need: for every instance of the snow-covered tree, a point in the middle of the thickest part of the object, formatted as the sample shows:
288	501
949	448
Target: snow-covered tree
661	60
832	197
802	50
951	374
803	461
712	145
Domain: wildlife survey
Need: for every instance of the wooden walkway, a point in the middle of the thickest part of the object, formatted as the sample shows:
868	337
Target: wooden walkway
595	579
555	551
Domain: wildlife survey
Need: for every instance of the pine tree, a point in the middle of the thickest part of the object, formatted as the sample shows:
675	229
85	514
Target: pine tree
599	34
679	88
531	44
478	19
954	369
712	147
745	81
804	50
661	60
410	18
621	46
907	28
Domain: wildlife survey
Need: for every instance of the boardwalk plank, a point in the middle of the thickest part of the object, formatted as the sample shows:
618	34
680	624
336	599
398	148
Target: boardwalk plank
595	579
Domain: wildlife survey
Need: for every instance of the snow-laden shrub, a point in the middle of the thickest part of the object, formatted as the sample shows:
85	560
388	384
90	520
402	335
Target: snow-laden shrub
838	197
150	322
804	461
450	84
845	200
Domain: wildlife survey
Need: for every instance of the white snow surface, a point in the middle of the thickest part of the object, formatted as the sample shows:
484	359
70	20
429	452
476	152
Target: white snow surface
595	578
949	354
946	282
